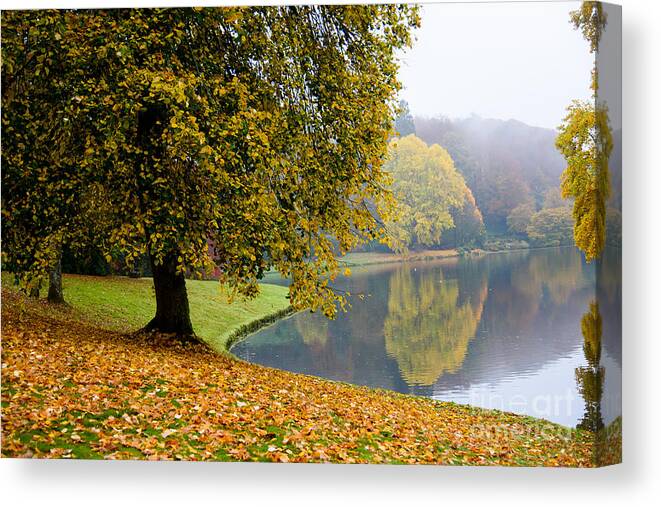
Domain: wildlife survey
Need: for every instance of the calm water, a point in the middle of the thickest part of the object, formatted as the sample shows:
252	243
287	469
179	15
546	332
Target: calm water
499	331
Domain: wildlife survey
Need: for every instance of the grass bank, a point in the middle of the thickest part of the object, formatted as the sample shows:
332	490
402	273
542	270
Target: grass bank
124	304
77	387
368	258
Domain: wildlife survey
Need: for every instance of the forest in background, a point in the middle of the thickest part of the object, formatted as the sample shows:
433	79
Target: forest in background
512	172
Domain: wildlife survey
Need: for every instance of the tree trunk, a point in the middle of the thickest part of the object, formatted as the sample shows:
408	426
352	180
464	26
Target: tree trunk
172	310
35	290
55	293
135	272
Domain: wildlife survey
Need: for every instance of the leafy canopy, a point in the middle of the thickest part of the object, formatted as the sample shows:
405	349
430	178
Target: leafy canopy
261	131
586	142
550	227
427	186
519	218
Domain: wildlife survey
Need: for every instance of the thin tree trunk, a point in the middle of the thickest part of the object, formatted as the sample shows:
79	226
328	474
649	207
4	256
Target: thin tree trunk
172	310
35	290
55	293
135	271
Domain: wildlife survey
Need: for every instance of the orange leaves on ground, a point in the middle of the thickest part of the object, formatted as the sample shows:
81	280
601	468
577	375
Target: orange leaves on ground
70	390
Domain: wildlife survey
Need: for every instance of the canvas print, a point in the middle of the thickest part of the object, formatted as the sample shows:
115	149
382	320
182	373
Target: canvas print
316	233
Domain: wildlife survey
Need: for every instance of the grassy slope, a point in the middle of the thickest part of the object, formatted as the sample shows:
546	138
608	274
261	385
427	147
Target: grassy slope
125	304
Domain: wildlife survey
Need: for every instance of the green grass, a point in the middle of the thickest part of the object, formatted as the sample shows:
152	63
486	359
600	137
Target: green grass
126	304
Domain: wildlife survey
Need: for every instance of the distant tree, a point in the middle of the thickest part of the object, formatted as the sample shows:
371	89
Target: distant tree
469	230
519	218
427	186
404	122
551	227
262	129
553	199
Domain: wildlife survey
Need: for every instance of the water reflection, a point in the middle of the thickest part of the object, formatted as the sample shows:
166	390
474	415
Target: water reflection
429	324
500	331
590	378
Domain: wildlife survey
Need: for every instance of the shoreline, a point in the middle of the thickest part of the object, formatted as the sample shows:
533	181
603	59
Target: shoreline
355	259
252	327
224	343
376	258
196	404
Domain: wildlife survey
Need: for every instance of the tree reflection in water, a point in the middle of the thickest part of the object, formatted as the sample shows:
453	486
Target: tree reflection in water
484	330
590	383
590	378
429	325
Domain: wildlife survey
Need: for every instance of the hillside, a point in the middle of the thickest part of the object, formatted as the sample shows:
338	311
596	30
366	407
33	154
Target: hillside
505	163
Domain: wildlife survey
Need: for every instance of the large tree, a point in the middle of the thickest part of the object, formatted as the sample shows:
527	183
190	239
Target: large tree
586	142
428	188
260	131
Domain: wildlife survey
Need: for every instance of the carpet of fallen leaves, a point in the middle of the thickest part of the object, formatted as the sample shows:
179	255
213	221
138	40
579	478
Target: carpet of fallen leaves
72	390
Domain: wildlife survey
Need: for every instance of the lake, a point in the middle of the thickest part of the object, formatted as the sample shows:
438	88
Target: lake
514	331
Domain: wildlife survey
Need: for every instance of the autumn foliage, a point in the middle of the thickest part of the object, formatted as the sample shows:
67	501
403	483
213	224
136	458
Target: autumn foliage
428	188
262	130
586	142
73	390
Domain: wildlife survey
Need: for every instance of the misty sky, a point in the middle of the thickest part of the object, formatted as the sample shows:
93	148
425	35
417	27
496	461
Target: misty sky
497	60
